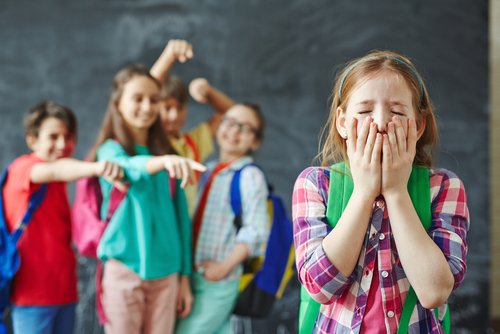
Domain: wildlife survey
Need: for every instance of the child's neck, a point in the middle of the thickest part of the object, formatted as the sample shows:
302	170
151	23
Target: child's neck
228	157
139	136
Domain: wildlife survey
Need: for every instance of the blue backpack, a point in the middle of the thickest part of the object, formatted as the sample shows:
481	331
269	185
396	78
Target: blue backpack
264	278
9	256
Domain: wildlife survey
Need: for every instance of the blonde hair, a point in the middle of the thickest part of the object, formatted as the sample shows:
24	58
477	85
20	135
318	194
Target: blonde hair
333	145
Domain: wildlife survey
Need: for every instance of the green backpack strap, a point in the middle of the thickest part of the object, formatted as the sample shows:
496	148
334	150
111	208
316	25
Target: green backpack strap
343	186
418	183
339	193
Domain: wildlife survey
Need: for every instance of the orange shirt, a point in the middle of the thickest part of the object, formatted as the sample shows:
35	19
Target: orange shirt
47	275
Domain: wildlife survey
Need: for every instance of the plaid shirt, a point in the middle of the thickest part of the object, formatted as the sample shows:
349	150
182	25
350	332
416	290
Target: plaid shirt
217	234
343	298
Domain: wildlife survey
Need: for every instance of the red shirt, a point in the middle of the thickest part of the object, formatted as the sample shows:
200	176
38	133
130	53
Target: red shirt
47	275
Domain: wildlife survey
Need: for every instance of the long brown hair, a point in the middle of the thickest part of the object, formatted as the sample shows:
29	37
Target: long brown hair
113	125
334	147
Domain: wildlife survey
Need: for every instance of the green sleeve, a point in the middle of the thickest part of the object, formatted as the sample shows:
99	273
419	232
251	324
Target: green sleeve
133	166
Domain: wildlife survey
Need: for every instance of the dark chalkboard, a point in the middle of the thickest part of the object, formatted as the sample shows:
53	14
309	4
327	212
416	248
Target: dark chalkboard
282	54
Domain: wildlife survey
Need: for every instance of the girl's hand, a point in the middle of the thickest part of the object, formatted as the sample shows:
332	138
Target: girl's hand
112	172
364	152
199	89
182	168
184	298
398	153
213	270
178	50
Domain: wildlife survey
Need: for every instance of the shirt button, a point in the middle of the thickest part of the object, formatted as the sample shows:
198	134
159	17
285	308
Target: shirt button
381	236
385	274
380	203
390	314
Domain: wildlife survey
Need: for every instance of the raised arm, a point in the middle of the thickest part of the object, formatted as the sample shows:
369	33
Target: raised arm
201	90
176	50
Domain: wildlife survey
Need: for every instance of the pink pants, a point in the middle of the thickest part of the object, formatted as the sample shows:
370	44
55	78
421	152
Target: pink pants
134	305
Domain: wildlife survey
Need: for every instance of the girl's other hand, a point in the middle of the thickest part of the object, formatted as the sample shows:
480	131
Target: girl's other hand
112	173
213	271
182	168
364	152
184	298
199	89
178	50
398	153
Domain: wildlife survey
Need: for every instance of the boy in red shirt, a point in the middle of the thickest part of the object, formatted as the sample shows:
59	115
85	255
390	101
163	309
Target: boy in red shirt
44	291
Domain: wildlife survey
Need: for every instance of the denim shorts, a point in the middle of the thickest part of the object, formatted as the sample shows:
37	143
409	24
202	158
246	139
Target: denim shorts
53	319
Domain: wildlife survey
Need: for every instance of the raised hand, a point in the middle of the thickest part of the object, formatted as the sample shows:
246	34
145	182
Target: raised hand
175	50
199	89
364	152
398	153
178	50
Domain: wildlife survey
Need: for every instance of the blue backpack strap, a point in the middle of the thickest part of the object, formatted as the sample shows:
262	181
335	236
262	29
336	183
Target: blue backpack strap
12	239
35	200
235	197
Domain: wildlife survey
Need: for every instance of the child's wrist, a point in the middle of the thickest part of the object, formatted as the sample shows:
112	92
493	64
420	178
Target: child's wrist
170	60
97	169
362	196
395	194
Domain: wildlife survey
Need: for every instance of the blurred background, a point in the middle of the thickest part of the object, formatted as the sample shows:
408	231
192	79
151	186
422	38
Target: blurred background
282	54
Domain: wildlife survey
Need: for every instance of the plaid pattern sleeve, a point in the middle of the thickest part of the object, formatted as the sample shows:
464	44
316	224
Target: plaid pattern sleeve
344	299
450	220
315	271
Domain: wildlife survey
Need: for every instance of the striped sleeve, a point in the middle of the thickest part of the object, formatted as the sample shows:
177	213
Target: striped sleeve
450	220
316	273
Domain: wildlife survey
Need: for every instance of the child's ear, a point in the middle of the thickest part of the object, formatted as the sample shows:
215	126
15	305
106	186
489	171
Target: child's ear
421	127
31	141
340	122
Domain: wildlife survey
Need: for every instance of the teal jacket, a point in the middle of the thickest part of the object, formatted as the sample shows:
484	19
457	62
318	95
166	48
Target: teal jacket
150	232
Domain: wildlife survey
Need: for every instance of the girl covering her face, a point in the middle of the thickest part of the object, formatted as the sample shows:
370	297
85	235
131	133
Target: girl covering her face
380	132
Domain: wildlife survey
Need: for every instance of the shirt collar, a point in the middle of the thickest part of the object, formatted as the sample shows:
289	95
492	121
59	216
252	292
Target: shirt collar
237	164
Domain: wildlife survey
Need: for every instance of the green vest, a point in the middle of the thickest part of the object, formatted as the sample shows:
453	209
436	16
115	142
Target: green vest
340	191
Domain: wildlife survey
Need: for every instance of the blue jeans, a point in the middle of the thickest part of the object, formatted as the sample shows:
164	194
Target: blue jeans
57	319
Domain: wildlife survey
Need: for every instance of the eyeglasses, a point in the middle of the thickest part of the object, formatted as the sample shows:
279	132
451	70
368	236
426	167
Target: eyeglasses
243	128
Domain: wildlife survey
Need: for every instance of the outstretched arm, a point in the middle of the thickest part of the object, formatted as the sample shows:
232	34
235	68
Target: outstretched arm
201	90
68	169
176	50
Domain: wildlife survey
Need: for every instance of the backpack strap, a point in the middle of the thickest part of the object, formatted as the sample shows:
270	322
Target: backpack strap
8	242
235	197
35	200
